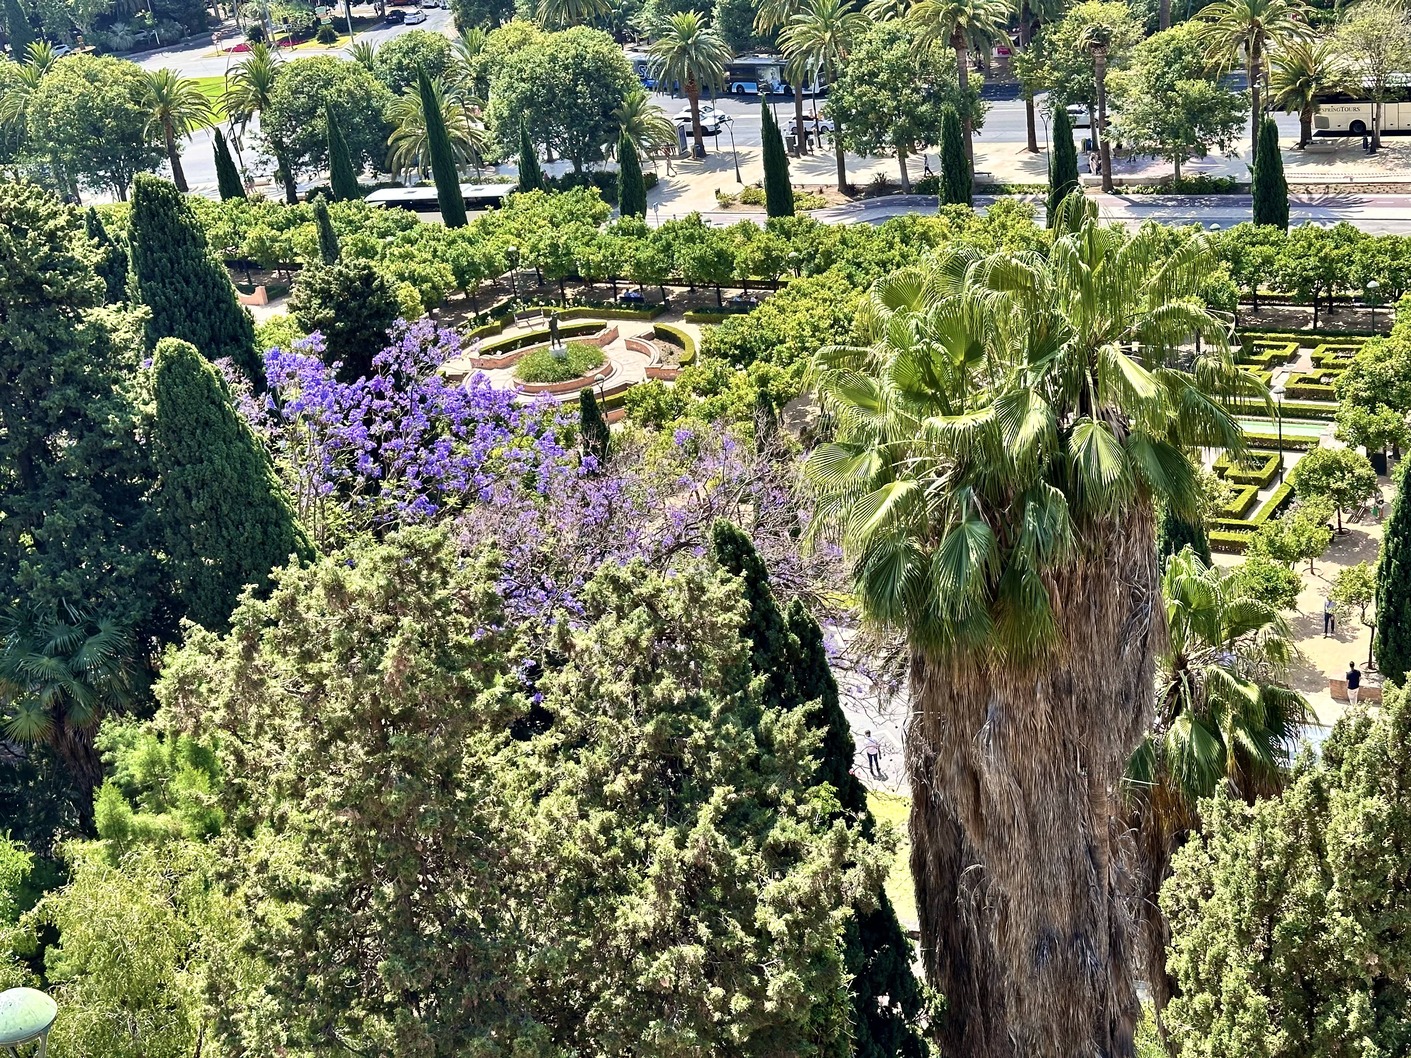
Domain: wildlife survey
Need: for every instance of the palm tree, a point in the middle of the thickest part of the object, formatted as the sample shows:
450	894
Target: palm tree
643	123
176	107
561	14
60	674
771	15
248	90
1247	28
1000	442
1301	71
41	55
364	53
690	52
819	37
959	24
408	148
1096	39
1224	721
19	90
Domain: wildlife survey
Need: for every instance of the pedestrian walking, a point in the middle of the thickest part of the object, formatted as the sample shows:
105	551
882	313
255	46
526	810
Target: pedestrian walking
873	749
1354	682
1330	622
1377	508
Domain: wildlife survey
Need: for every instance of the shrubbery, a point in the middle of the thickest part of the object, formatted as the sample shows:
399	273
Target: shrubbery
545	365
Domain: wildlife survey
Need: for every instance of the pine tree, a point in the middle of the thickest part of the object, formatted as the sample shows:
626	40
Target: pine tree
1393	646
17	29
343	180
956	183
1268	187
185	287
328	248
631	186
1063	163
778	192
593	430
443	158
788	653
112	258
531	177
227	176
225	519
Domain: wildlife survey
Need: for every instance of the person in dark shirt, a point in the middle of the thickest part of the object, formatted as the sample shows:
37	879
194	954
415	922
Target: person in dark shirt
1354	682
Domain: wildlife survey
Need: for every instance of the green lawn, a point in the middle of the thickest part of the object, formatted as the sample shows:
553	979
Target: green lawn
213	88
889	808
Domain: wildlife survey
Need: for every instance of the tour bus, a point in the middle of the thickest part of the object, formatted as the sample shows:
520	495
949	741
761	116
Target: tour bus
752	74
1349	112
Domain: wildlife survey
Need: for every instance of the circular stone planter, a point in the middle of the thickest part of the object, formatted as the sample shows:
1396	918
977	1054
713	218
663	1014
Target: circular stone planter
573	385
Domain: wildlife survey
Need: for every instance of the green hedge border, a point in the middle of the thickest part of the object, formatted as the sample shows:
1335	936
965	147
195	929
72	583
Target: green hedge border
1258	439
1244	498
1266	354
1293	410
575	312
695	316
520	341
1231	535
1262	477
672	335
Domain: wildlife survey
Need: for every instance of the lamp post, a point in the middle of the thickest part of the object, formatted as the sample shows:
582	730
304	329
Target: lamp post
794	262
1278	394
1372	287
512	256
26	1015
729	123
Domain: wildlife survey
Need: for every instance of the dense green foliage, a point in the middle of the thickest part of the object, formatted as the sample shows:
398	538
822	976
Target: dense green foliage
328	249
342	176
594	434
545	365
1269	188
631	186
227	176
443	158
306	94
186	290
1393	645
112	264
956	178
531	177
225	520
778	191
353	306
1063	164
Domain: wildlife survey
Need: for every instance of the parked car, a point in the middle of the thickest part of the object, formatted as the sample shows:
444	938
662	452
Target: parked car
712	120
414	17
810	124
1078	116
60	49
395	18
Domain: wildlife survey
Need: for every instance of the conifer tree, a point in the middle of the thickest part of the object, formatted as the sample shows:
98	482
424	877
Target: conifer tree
225	519
343	180
1393	646
328	249
227	176
531	177
593	430
956	183
187	290
778	192
112	263
443	157
631	186
1268	188
788	653
1174	534
1063	163
17	29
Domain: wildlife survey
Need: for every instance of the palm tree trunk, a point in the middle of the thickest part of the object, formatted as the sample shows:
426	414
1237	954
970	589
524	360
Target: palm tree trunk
905	176
74	748
1100	129
1305	127
962	75
838	156
286	177
800	133
1255	65
178	176
693	94
1020	878
1165	15
1026	35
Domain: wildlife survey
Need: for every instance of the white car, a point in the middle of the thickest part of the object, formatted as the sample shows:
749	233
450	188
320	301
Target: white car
809	125
1078	116
414	18
711	119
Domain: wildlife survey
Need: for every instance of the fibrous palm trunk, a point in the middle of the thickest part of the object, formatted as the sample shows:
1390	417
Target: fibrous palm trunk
1256	63
74	748
838	155
178	176
1022	887
1104	148
693	95
1026	34
957	41
800	133
1305	126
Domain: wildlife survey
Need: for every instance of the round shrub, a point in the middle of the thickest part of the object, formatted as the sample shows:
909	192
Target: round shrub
326	35
543	366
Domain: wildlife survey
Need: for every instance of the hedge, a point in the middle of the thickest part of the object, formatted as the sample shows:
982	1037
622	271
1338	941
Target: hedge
1303	336
1231	535
1267	354
1331	354
1292	409
1240	474
708	317
538	337
677	337
1259	439
1240	503
1310	391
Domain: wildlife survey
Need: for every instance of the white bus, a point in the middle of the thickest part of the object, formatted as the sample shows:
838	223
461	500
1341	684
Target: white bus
1349	113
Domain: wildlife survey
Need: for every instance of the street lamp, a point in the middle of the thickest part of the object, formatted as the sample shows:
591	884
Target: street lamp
729	123
1278	394
26	1015
794	262
512	256
1372	287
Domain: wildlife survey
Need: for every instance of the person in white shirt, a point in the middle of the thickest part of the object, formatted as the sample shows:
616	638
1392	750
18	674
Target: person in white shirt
873	748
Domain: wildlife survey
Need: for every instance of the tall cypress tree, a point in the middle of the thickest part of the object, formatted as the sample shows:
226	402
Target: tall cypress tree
787	652
178	278
1062	163
112	263
328	248
1268	187
17	29
1393	647
593	430
956	183
631	186
227	176
531	177
778	192
343	181
1174	534
225	519
443	157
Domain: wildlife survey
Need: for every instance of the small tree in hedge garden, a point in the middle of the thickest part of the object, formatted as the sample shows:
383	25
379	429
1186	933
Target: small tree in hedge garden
1341	476
1300	535
1355	588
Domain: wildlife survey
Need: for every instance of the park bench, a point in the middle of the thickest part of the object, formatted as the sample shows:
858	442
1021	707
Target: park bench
529	316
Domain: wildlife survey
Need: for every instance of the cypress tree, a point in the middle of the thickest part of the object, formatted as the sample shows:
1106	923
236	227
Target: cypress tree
112	262
1268	187
186	288
227	176
531	177
328	248
631	186
343	180
771	654
956	184
778	192
593	430
1174	534
225	519
17	29
1062	163
1393	647
443	158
